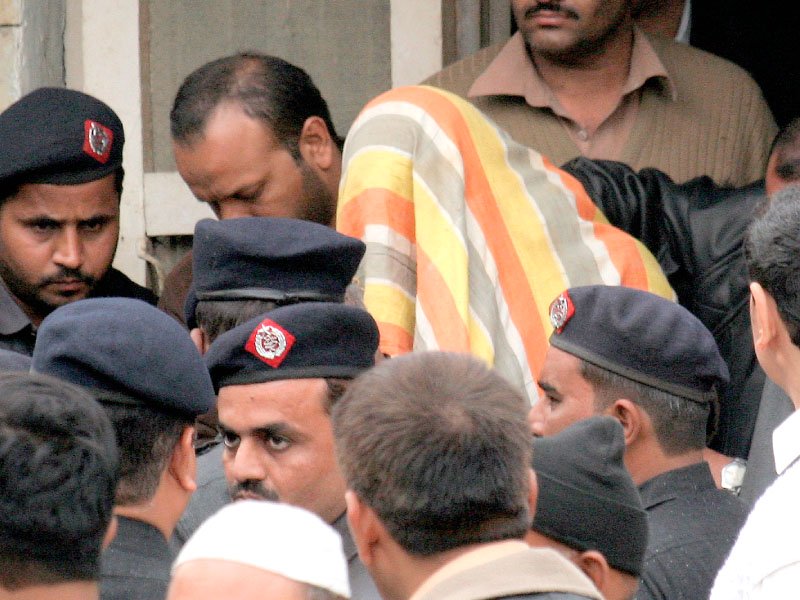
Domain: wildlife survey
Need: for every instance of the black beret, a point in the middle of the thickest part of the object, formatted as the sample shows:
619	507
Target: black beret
126	347
267	258
641	337
14	362
60	136
587	500
299	341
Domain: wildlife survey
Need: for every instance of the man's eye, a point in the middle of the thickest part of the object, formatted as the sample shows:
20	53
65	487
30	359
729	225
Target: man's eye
230	439
43	225
277	442
552	400
94	225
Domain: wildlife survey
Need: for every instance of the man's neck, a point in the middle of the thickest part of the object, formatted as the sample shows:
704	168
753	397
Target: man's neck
662	17
74	590
590	88
645	465
408	572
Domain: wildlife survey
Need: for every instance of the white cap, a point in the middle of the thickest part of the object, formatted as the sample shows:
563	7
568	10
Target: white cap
274	537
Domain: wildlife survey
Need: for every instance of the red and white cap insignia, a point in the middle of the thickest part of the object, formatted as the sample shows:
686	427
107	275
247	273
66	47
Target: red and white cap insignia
97	140
270	343
561	311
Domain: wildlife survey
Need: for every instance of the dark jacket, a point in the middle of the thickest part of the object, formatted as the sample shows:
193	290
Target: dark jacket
695	230
136	565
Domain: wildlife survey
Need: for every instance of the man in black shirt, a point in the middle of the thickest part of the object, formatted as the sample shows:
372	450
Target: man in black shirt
654	367
144	369
60	184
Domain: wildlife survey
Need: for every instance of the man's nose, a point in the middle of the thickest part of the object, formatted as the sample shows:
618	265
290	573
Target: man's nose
69	249
233	209
537	417
248	463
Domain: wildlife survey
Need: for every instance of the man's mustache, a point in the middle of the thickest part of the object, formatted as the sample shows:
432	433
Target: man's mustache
251	487
551	7
65	274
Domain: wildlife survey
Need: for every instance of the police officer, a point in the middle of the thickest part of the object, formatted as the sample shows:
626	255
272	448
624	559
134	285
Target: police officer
142	367
654	367
278	377
60	184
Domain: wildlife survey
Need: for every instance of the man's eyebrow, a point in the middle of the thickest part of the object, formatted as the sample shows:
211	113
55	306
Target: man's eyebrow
279	429
44	218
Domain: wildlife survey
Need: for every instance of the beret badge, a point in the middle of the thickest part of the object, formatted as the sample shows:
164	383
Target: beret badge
270	343
561	310
97	140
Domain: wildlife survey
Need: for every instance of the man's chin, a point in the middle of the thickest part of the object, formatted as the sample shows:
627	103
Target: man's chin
51	299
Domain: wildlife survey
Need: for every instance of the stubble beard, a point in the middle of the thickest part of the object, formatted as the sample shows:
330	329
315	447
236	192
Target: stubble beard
31	295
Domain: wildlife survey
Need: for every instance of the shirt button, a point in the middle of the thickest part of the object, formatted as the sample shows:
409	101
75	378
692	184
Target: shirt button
583	135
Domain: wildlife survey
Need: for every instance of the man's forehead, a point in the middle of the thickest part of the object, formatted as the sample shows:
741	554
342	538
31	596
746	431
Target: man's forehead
285	398
559	364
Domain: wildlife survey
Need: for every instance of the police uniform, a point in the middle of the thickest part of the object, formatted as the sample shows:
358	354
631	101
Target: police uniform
643	338
282	261
299	341
62	137
128	352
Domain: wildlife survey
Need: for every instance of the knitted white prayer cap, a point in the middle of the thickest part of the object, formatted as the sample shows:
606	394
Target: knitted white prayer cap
274	537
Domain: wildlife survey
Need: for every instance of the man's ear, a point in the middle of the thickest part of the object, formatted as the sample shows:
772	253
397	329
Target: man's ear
316	144
630	417
594	564
183	462
365	527
200	340
763	312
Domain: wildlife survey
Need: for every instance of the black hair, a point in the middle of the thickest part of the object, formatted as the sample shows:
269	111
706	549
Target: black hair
679	423
58	472
267	88
772	252
437	444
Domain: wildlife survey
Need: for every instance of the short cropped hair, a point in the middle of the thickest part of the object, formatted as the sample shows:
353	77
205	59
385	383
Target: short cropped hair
772	252
679	423
786	149
58	471
267	88
146	439
438	446
215	317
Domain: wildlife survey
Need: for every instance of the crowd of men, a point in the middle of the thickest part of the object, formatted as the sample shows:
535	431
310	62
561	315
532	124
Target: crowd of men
423	362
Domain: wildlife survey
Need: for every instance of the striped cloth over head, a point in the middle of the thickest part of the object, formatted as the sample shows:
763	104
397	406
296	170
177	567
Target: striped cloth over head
469	235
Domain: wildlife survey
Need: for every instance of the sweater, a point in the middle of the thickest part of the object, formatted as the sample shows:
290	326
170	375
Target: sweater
718	124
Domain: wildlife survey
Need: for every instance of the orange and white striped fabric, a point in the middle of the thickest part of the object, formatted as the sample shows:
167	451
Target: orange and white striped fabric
470	235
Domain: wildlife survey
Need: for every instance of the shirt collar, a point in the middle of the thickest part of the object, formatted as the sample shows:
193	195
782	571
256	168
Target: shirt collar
512	73
676	483
12	318
786	442
685	27
481	554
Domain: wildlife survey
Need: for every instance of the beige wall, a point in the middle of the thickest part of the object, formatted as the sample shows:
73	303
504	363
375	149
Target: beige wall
31	47
343	44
